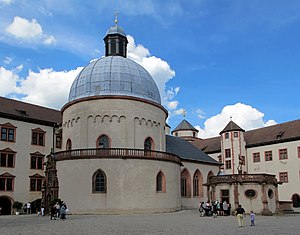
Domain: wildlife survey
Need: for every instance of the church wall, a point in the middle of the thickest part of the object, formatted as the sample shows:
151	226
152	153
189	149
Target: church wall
22	165
290	165
131	186
126	122
193	202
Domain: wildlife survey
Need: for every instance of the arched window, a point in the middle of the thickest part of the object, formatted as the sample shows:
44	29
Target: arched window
99	182
185	183
69	145
103	142
160	183
148	144
198	184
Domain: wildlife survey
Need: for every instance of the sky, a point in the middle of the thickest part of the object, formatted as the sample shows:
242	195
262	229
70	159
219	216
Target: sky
213	60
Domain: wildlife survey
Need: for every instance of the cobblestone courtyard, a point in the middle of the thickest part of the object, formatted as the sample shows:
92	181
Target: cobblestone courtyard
183	222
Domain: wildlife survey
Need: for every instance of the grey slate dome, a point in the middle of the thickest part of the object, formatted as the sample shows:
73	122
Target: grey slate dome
114	75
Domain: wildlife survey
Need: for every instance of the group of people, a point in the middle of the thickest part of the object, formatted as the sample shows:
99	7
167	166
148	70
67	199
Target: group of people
223	208
214	208
59	210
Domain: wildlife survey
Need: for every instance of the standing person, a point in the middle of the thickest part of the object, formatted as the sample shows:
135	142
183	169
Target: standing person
225	208
42	209
240	212
28	208
252	218
201	209
52	212
57	207
63	211
229	209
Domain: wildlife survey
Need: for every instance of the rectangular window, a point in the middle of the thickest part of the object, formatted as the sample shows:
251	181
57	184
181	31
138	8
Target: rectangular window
256	157
8	134
283	154
37	162
35	184
58	141
227	135
268	156
283	177
6	184
7	159
37	138
235	134
298	152
225	193
228	164
227	153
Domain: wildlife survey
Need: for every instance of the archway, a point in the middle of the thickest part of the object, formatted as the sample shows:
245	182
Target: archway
296	200
5	205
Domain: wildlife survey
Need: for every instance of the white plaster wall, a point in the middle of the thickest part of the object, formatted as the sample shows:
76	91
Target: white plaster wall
193	202
255	204
290	165
127	123
22	170
236	146
131	186
186	133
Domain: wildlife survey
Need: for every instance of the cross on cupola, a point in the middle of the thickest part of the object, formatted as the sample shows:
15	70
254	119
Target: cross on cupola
115	40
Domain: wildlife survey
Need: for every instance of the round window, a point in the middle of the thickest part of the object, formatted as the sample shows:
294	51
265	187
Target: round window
270	193
250	193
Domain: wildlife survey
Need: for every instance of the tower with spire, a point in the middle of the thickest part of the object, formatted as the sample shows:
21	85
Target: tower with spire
185	130
115	40
233	149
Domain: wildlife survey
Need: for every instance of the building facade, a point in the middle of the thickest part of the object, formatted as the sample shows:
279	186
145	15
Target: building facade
113	156
273	150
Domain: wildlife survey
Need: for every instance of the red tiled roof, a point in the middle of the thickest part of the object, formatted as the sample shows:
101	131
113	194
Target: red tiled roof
284	132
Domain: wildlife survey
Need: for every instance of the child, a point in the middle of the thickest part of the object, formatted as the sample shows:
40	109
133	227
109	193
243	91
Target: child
252	218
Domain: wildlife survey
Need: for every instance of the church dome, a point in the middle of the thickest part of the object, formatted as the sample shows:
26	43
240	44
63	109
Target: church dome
114	75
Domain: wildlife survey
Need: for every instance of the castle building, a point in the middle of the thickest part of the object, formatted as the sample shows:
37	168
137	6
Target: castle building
271	150
113	154
108	149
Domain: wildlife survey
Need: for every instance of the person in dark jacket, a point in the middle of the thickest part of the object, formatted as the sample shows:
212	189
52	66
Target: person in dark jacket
52	212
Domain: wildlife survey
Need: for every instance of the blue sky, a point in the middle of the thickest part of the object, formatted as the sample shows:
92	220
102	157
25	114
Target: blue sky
212	59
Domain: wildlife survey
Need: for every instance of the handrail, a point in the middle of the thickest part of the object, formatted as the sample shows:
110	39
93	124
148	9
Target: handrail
242	178
92	153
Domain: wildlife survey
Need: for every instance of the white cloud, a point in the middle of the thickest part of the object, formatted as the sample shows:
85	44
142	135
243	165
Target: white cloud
8	81
48	87
22	28
49	40
243	115
29	31
180	111
7	60
200	113
6	2
159	69
172	105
